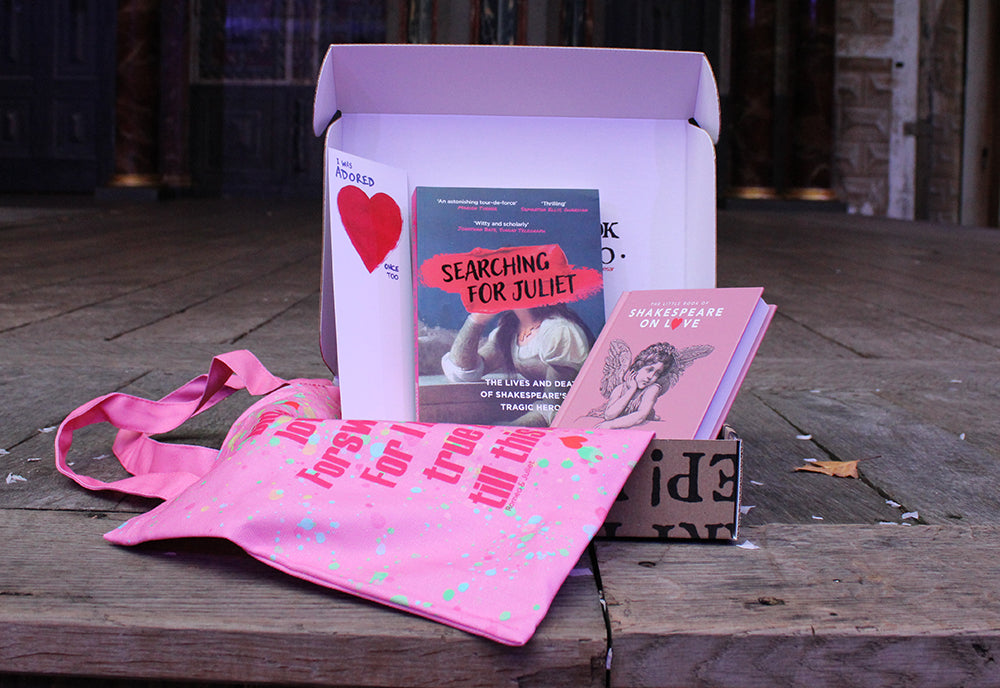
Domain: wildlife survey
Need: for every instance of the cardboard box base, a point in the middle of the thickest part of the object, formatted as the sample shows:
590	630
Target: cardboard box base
681	489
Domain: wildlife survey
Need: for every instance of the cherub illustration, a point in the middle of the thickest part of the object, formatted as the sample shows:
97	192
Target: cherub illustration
632	387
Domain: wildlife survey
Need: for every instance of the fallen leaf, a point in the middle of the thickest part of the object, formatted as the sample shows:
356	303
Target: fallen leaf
839	469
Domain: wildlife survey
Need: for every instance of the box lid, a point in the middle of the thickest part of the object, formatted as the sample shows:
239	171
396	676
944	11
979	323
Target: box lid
547	81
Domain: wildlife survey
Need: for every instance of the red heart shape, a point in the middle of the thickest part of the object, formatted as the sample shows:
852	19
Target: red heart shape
675	323
574	442
373	224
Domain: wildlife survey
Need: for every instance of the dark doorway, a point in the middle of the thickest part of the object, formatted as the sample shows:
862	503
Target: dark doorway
56	94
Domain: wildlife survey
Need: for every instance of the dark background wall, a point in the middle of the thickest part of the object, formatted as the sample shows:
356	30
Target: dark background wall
858	103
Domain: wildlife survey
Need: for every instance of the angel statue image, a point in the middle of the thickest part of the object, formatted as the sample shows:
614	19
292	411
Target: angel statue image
632	387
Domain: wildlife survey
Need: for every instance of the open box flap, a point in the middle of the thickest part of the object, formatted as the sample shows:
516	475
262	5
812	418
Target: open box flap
700	206
526	81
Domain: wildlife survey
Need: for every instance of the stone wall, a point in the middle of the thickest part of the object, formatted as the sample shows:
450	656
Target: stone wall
899	93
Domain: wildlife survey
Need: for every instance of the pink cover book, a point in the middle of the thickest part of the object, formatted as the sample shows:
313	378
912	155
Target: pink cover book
668	361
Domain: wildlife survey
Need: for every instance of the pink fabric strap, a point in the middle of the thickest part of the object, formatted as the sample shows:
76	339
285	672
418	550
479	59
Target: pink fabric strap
161	469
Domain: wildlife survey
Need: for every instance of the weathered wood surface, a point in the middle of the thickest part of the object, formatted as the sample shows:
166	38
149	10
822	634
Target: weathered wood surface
840	606
200	610
884	348
885	345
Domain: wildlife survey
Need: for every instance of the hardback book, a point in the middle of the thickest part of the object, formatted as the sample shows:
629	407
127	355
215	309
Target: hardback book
509	299
671	361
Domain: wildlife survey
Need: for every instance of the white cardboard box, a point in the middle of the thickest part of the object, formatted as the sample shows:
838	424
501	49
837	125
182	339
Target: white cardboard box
621	121
638	125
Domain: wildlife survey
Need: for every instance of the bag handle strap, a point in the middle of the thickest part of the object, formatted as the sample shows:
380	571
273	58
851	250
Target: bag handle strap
162	469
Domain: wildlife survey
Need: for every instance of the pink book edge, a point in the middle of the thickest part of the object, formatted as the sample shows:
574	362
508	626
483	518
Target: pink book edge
719	420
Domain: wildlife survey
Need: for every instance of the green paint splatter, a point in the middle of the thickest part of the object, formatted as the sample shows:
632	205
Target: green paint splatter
568	463
504	616
448	595
400	599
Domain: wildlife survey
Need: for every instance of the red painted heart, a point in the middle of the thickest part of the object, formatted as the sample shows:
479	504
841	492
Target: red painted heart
574	441
675	323
373	224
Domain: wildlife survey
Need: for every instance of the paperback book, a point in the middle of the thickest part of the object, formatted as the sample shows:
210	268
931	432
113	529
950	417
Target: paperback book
509	297
671	361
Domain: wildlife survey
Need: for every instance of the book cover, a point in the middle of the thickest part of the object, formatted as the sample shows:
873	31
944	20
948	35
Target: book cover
670	361
509	298
368	261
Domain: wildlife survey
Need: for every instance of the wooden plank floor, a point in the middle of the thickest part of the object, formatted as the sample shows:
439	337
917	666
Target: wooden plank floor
884	348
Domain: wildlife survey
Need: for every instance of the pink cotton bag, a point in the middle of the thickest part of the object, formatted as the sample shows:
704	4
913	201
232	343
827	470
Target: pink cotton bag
476	527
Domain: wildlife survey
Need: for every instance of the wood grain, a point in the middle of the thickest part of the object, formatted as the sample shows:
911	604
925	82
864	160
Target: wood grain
824	606
885	344
203	610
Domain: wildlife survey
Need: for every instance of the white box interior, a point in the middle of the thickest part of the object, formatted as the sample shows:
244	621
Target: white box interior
637	125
